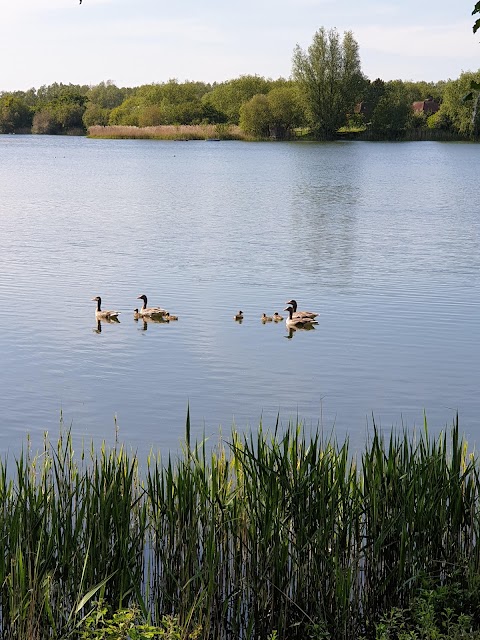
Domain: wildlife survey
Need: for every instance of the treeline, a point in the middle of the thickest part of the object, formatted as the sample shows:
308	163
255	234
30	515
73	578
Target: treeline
321	97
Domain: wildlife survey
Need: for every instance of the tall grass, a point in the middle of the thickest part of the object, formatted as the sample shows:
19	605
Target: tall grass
265	532
169	132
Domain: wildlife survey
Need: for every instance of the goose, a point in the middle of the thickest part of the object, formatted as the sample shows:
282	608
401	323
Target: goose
170	318
108	316
277	317
158	319
149	311
238	316
298	323
301	314
266	318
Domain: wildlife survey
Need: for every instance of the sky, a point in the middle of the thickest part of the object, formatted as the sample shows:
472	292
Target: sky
135	42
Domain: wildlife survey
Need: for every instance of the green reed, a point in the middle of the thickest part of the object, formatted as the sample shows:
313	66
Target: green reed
278	533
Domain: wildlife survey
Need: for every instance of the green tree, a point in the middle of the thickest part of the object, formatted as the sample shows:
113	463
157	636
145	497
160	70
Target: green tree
127	113
463	114
61	114
256	116
272	115
330	80
15	114
392	115
95	114
286	110
227	98
107	95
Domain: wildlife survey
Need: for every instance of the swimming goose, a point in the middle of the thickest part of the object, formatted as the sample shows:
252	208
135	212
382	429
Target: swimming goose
298	323
277	317
300	314
266	318
149	311
157	319
108	316
238	316
170	318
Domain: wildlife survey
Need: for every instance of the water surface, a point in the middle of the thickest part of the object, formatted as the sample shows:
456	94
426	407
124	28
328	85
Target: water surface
381	239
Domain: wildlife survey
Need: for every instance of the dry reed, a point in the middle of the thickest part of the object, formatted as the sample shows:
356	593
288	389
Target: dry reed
169	132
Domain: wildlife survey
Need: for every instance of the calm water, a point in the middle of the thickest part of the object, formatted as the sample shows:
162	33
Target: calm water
382	239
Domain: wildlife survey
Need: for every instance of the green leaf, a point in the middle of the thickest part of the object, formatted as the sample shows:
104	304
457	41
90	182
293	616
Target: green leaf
476	26
476	9
92	592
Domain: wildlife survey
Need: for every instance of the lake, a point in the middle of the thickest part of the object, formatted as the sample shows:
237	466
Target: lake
381	239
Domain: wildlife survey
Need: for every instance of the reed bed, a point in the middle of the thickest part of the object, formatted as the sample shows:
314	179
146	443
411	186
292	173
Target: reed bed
265	535
169	132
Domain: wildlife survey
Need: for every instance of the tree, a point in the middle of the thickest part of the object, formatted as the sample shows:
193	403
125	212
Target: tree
15	114
255	116
392	115
330	80
107	95
228	97
463	113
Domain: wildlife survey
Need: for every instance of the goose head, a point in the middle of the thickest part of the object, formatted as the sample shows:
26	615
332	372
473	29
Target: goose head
293	303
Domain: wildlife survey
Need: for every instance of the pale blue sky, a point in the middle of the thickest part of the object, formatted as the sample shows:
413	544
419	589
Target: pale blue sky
134	42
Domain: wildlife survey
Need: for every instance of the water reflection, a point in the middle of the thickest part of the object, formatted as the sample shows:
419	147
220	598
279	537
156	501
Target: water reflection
98	328
146	320
292	330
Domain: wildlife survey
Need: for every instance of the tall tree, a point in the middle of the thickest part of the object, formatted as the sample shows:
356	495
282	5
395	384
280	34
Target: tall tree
330	79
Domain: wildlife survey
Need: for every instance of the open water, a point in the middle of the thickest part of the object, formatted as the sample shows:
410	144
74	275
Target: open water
382	239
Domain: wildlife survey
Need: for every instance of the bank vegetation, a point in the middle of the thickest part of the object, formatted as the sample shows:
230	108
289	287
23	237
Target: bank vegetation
327	95
282	535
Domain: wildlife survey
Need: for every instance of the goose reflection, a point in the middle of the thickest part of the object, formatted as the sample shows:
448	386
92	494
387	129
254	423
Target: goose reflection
146	320
100	321
292	330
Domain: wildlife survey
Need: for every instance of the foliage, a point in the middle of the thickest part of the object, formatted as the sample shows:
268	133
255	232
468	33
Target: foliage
463	115
95	114
15	114
107	95
476	25
393	113
274	115
264	534
330	80
63	112
256	116
228	97
127	624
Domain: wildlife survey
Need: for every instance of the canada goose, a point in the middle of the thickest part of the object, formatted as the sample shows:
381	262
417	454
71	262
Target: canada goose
298	323
149	311
238	316
156	319
277	317
300	314
266	318
108	316
170	318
